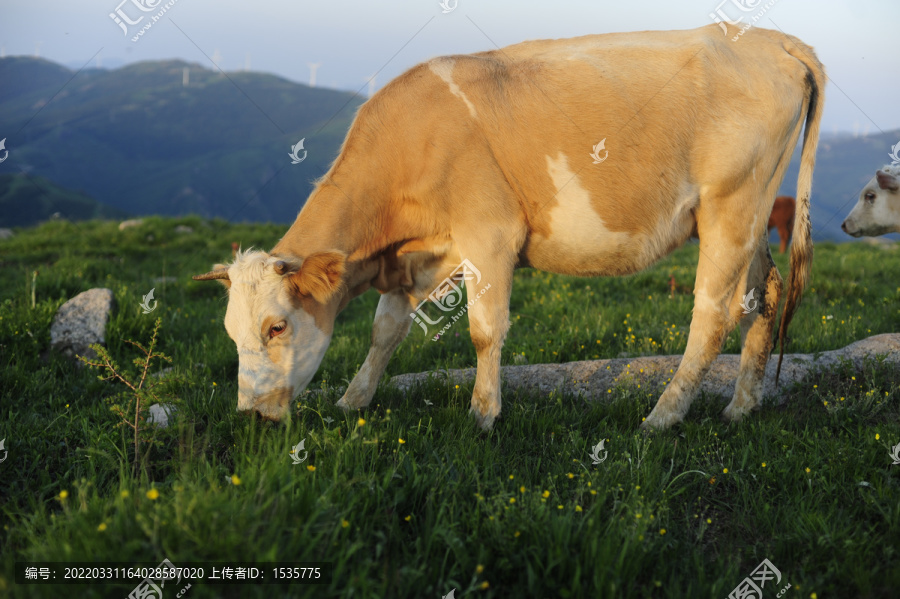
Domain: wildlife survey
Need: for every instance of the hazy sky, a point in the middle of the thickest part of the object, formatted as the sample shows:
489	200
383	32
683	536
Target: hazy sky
857	40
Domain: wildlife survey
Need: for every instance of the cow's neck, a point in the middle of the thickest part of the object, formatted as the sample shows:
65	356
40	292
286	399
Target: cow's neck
338	217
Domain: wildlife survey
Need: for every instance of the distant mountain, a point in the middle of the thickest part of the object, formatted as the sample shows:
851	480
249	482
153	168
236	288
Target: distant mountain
171	137
27	200
174	138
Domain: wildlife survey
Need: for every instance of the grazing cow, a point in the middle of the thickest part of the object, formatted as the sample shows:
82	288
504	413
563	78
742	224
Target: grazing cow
878	210
782	218
487	158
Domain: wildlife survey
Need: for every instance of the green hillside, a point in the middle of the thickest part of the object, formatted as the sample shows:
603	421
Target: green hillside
26	200
409	498
138	139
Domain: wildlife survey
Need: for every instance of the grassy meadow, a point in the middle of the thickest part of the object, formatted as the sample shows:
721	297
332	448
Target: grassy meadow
409	498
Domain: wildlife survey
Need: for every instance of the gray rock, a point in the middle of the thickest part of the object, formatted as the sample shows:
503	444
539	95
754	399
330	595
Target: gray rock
80	322
160	414
127	224
593	378
6	233
163	373
184	229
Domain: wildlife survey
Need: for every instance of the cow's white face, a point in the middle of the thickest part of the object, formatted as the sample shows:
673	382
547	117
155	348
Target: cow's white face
281	322
878	210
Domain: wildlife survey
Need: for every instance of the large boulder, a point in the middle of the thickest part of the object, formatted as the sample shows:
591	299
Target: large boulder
80	322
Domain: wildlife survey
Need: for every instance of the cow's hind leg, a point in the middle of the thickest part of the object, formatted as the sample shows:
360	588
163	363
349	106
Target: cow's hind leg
756	332
390	328
725	255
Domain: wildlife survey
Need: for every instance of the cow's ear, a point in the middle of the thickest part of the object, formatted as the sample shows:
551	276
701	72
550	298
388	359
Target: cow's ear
320	275
886	181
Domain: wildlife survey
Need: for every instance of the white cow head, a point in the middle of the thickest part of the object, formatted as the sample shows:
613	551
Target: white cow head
280	315
878	210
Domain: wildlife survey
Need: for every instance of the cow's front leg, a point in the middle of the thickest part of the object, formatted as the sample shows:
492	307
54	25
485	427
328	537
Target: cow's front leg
488	324
391	325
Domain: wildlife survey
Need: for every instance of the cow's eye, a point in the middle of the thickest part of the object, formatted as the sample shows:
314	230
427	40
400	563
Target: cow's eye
277	330
870	197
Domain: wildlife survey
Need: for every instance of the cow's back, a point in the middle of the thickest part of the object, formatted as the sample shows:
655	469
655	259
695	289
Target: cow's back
514	136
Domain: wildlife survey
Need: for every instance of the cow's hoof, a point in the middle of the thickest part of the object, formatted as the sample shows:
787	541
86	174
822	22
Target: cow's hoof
659	421
353	400
485	421
734	414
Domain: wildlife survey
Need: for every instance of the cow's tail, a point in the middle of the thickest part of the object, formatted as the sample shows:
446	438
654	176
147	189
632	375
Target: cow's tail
801	245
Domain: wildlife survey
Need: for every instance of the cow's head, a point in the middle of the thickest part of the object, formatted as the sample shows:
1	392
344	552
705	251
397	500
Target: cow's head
878	210
280	315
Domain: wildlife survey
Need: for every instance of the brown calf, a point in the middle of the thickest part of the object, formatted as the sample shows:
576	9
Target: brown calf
782	218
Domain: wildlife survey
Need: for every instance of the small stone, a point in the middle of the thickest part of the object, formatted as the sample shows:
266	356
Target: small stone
520	359
163	373
160	414
127	224
80	322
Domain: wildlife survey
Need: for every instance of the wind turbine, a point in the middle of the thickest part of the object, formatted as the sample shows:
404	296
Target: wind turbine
313	67
371	81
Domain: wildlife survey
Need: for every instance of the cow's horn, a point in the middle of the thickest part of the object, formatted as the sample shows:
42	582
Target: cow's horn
281	267
219	273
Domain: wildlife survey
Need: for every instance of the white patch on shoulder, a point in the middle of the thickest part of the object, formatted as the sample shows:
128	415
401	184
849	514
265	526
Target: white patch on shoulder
443	68
576	226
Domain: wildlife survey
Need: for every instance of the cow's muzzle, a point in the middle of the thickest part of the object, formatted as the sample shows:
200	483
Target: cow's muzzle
273	405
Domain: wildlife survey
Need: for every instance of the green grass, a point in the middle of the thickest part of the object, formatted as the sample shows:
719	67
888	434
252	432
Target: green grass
450	507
